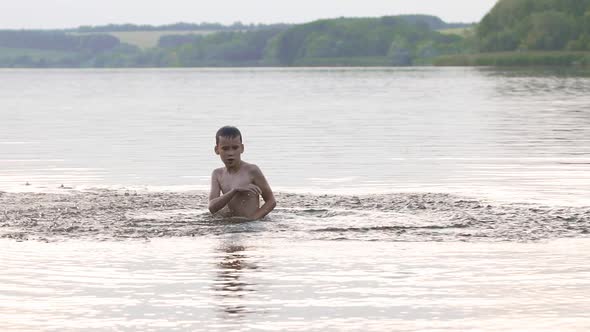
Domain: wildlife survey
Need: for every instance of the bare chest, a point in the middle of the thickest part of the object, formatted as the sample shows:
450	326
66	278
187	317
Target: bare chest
229	181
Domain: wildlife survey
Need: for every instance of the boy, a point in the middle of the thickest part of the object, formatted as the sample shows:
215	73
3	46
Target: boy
240	182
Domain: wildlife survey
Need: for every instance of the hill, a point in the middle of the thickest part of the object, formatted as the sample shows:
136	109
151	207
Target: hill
384	41
21	48
145	38
539	25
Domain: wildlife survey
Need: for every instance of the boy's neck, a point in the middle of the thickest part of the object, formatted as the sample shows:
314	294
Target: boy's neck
234	169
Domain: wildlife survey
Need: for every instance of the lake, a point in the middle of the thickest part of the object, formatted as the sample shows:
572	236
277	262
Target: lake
408	199
469	131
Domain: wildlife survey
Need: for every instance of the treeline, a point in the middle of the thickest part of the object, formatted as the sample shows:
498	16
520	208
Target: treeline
214	50
391	40
181	26
59	41
433	22
548	25
398	40
52	48
224	48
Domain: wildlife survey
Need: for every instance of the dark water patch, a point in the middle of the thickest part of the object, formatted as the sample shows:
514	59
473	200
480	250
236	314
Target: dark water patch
110	214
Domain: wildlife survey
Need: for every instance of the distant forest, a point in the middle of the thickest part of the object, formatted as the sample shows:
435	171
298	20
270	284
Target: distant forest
514	32
530	33
182	26
386	41
546	25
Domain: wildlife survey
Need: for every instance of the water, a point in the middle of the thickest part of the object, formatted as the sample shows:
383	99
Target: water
266	285
408	199
476	132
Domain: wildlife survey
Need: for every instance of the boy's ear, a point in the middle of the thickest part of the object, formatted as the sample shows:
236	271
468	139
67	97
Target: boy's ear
242	148
216	149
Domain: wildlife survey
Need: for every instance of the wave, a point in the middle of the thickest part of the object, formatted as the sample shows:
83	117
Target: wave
103	214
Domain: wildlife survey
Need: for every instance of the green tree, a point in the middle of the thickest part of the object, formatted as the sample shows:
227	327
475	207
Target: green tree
534	25
549	30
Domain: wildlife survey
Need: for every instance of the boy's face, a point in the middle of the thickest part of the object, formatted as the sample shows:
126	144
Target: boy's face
230	150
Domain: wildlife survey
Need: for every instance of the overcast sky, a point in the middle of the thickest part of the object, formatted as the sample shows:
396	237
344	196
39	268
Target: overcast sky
17	14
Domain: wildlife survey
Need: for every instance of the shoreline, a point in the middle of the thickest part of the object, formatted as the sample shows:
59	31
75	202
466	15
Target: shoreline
572	59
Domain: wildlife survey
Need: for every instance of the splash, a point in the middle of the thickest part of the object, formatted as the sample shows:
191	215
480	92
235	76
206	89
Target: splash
101	214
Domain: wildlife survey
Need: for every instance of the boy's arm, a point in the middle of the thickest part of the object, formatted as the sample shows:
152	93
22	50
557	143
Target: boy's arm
216	202
269	198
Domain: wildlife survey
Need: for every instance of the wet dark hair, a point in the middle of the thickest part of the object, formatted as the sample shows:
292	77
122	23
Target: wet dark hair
228	131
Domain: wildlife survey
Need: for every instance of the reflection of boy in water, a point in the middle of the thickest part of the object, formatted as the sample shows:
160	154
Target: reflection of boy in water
229	283
241	183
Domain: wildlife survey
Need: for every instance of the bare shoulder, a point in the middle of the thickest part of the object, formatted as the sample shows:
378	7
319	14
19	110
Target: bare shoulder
217	172
252	169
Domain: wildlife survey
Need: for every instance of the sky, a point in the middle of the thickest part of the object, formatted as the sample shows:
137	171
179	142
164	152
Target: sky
50	14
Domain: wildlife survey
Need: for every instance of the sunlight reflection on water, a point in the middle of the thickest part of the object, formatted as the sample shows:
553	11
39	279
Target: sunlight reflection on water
230	282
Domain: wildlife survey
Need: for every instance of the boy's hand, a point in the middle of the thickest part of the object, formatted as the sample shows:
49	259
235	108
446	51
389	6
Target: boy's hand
251	188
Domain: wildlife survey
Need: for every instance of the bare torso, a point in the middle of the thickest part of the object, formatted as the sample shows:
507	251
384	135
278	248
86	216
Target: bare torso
242	204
